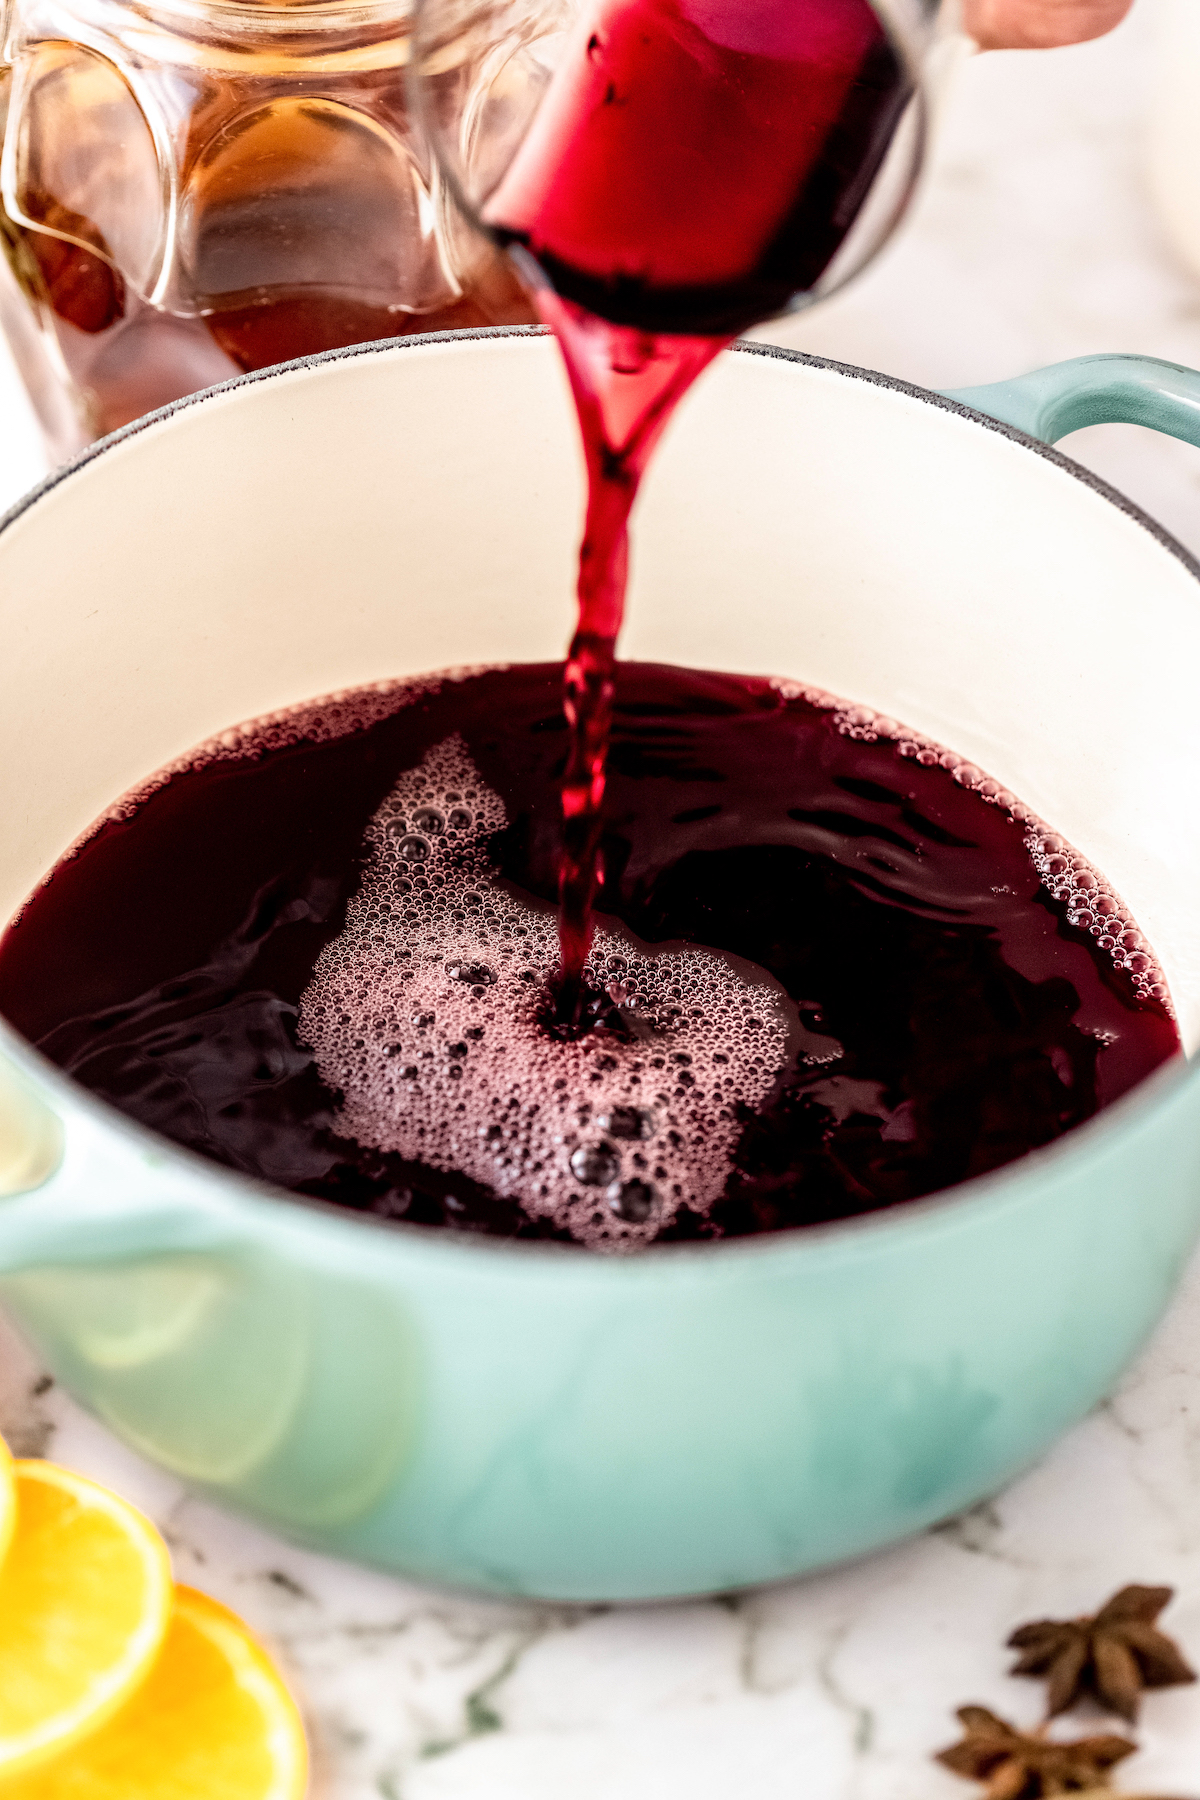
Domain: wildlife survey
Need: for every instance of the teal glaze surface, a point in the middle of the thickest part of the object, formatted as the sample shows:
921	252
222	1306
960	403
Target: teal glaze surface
1093	390
531	1420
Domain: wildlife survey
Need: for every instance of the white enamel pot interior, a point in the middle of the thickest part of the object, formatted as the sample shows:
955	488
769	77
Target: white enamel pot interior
414	506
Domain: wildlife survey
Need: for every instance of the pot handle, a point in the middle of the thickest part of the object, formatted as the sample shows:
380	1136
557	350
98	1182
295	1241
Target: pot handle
1093	390
76	1189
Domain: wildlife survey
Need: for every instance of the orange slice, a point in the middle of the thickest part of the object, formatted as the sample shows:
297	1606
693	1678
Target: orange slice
8	1499
85	1599
213	1722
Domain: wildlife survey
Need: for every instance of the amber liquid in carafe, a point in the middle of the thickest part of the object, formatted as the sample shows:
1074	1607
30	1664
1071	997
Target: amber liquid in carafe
303	222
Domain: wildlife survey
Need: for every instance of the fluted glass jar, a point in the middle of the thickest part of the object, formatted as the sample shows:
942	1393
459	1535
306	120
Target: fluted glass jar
192	188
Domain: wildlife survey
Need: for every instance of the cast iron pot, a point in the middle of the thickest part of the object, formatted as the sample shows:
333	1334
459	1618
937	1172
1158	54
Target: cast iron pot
531	1419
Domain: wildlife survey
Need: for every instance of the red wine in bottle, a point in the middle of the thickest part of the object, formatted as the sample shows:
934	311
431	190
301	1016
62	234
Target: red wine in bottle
693	165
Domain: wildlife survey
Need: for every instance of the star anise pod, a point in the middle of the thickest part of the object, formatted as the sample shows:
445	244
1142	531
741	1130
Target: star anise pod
1021	1765
1113	1655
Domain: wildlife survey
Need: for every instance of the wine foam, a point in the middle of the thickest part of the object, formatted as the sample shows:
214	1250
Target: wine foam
423	1014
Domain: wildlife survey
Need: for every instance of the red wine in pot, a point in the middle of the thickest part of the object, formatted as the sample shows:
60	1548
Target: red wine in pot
833	974
693	165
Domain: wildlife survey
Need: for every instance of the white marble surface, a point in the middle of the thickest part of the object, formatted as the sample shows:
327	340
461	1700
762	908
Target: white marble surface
1033	242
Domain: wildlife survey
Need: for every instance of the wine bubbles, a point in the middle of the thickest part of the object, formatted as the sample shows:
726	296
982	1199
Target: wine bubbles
424	1016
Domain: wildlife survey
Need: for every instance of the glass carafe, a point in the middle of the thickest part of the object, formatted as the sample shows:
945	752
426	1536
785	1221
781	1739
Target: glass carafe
192	189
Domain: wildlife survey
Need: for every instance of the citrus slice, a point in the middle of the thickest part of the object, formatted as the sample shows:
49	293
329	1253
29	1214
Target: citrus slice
85	1599
213	1720
8	1499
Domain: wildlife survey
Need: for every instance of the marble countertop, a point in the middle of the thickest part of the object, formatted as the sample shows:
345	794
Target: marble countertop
1033	241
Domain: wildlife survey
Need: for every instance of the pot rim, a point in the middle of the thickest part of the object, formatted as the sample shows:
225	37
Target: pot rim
741	346
991	1191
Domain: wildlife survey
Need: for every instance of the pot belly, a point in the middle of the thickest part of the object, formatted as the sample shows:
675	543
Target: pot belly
569	1427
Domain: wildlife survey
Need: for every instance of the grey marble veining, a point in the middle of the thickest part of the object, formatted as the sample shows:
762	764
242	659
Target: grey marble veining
1033	241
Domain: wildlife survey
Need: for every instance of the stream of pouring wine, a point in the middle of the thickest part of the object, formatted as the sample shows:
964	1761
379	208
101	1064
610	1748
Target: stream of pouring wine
692	165
626	384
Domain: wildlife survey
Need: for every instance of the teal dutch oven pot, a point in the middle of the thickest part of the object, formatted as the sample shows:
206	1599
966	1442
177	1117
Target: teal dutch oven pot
530	1419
